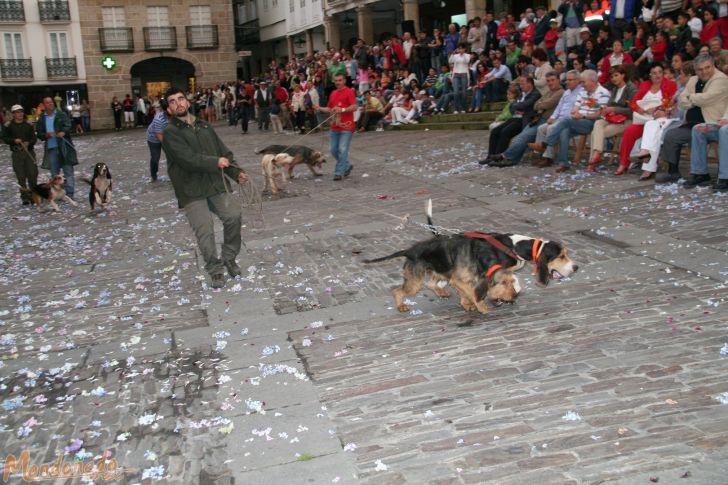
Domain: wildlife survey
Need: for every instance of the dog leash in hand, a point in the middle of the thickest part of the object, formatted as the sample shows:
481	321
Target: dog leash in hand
295	142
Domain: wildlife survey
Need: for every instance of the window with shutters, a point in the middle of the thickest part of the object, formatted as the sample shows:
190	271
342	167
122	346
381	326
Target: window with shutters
13	45
59	45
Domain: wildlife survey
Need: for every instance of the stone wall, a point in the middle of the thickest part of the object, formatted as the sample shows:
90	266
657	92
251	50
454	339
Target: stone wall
213	66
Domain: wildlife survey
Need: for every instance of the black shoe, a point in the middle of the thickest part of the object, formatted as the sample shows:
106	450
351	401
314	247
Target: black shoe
700	180
337	178
26	202
502	163
233	268
486	161
348	170
667	178
721	185
218	280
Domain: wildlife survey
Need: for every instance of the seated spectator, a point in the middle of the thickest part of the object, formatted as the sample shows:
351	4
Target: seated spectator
523	112
702	134
704	100
404	112
562	111
616	58
372	111
618	104
430	84
479	88
587	110
496	82
719	55
513	93
544	108
650	102
654	131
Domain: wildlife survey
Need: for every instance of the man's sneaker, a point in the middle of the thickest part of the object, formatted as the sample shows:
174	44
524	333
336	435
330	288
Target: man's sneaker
337	178
381	128
667	178
700	180
721	185
348	170
218	280
233	268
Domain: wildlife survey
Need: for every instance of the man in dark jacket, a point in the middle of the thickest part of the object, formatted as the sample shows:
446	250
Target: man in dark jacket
54	127
263	100
196	162
572	18
20	135
523	111
543	24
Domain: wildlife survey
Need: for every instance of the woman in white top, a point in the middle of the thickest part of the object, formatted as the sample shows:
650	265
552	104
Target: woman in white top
460	67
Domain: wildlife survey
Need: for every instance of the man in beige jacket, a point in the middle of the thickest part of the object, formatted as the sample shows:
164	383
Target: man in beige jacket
703	99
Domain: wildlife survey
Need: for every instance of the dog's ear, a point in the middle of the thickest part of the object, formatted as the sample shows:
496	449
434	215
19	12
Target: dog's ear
542	267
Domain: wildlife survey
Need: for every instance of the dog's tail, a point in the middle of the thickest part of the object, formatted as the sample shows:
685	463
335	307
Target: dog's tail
384	258
430	224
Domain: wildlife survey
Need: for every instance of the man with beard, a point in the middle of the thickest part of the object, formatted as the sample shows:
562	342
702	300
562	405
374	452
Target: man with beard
196	160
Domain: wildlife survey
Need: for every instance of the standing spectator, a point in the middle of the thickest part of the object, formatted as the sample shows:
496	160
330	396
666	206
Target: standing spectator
421	57
452	40
298	108
20	135
361	56
85	115
117	109
695	23
245	110
543	22
540	60
572	18
476	37
275	117
141	111
54	127
128	111
550	40
76	118
621	13
195	159
154	137
436	50
263	101
460	66
342	102
491	32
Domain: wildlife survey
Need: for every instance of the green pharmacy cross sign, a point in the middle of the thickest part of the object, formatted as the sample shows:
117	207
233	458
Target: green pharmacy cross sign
108	62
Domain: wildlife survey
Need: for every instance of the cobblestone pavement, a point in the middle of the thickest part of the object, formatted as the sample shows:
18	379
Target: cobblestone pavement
301	371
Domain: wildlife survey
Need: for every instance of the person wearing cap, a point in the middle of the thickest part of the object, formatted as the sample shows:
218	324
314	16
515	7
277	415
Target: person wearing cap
263	102
54	127
572	18
20	135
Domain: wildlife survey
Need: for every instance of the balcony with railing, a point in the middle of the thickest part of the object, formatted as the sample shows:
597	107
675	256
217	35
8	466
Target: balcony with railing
61	68
16	69
11	12
160	38
119	39
247	34
52	11
202	37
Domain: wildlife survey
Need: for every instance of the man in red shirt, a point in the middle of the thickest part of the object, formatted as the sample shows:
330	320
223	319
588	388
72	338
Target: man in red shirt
342	102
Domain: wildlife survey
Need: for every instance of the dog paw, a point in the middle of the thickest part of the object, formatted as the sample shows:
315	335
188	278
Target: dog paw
482	307
468	305
444	294
403	308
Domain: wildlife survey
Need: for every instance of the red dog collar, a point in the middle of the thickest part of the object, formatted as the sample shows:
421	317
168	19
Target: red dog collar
492	270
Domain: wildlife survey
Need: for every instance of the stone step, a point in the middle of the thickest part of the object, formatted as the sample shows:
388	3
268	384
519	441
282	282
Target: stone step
445	125
483	117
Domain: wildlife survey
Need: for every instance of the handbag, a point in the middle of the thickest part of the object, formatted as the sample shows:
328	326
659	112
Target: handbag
615	118
641	119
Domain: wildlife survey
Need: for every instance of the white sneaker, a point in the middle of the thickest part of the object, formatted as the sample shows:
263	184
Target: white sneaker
405	121
396	123
456	112
414	122
380	129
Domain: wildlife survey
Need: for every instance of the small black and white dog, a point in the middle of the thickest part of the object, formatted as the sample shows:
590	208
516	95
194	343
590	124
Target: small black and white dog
100	192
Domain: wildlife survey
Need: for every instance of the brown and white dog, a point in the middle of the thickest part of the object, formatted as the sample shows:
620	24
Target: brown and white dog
275	169
100	191
301	154
48	193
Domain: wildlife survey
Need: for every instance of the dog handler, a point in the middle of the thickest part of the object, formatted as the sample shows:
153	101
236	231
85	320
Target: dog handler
20	135
342	102
195	158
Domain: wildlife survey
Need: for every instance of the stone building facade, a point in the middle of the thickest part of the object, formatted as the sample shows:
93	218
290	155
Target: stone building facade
142	47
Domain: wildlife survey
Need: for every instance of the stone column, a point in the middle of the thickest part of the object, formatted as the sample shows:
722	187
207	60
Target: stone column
309	42
289	43
365	23
412	12
474	8
333	35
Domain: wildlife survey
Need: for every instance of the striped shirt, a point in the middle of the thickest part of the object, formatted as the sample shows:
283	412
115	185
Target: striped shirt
157	126
590	103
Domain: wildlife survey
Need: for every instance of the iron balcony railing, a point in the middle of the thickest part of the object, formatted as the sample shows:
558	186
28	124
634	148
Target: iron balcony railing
160	38
202	37
61	68
12	11
16	69
120	39
54	11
